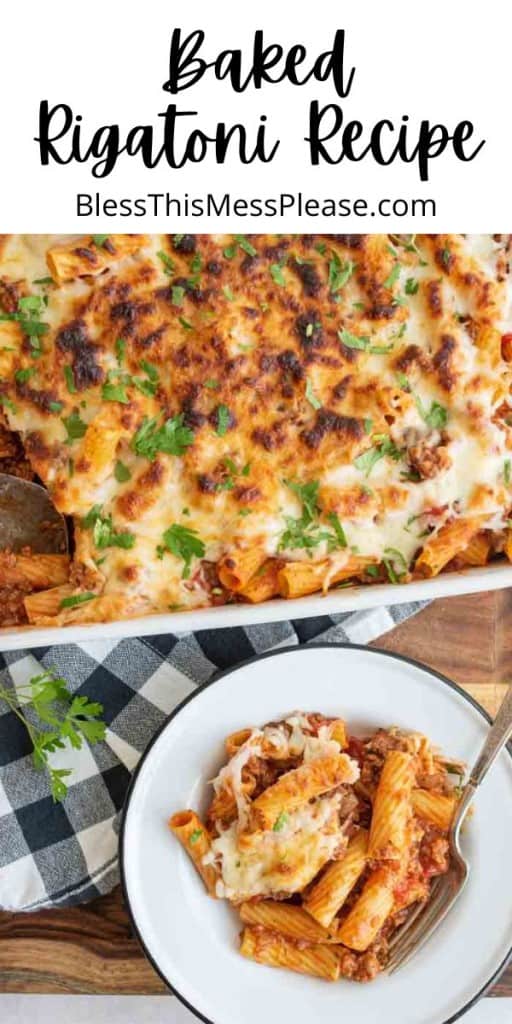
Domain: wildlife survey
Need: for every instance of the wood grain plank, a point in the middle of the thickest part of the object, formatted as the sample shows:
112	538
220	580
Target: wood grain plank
91	949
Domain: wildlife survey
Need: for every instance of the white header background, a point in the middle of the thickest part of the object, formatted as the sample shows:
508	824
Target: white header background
445	60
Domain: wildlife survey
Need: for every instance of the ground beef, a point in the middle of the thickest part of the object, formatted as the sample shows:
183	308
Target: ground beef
359	966
434	852
429	461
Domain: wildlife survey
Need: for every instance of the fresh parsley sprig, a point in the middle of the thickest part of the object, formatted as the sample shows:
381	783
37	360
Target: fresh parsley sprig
28	316
184	543
172	438
55	716
103	533
339	273
384	447
307	531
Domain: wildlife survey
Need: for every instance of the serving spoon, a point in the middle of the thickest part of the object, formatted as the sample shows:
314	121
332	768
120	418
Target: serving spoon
28	518
427	917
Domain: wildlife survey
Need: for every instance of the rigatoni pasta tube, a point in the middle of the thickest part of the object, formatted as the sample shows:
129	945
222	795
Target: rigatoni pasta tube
338	732
365	919
392	807
235	740
285	918
46	602
436	808
477	551
39	571
96	609
297	787
276	951
330	892
298	578
449	541
264	584
224	806
238	567
195	839
83	258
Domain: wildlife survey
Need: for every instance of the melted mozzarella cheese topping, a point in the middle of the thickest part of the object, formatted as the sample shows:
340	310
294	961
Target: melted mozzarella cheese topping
278	862
277	383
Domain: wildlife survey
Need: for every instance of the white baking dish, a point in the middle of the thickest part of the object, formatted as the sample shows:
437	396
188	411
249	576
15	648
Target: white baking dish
491	577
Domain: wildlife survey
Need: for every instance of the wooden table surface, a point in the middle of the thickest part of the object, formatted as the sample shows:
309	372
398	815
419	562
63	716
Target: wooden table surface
91	949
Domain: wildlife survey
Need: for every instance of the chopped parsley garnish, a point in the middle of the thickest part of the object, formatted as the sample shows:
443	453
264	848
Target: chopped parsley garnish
403	381
234	471
392	276
372	570
368	425
244	244
121	472
306	531
228	294
211	383
195	835
99	240
321	247
177	294
368	459
28	314
75	426
400	332
380	350
363	343
150	370
55	406
311	397
280	822
308	495
7	404
22	376
183	543
145	386
113	391
103	533
76	599
352	340
185	323
223	420
333	520
339	273
167	263
230	251
412	247
507	471
70	379
276	272
120	349
172	437
446	257
43	281
411	286
436	417
395	559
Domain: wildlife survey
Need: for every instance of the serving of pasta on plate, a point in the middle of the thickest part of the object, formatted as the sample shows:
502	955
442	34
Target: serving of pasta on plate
323	841
229	419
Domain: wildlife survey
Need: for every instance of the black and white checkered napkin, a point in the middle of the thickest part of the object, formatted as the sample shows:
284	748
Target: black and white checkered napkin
64	854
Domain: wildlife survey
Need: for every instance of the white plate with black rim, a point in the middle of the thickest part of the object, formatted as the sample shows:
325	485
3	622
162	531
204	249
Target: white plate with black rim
192	940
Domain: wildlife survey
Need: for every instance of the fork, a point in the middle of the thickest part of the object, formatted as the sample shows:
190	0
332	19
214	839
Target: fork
447	888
